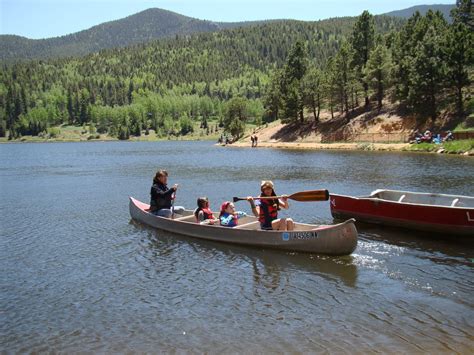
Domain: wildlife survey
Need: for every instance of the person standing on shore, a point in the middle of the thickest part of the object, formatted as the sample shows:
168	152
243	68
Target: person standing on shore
161	202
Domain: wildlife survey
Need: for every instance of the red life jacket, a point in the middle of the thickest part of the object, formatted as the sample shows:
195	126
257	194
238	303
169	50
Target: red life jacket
268	212
207	213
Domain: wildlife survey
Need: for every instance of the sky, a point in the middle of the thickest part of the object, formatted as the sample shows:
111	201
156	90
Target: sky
51	18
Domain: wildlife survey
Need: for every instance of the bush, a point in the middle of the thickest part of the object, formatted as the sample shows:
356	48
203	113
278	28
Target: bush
54	132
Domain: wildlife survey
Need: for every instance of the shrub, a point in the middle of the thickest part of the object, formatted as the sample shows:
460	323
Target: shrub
54	132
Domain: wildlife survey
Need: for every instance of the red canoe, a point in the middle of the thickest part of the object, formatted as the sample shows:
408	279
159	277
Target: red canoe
445	214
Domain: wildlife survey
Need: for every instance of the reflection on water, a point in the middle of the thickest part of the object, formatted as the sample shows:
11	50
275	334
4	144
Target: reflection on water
78	275
267	265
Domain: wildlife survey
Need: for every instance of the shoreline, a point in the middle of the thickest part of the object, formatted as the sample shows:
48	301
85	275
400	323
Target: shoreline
387	147
328	146
301	145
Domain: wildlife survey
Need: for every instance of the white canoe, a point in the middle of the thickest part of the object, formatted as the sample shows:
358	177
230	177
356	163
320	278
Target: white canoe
338	239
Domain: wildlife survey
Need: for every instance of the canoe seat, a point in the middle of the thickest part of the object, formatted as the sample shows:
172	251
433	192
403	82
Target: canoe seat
248	225
454	203
190	218
402	197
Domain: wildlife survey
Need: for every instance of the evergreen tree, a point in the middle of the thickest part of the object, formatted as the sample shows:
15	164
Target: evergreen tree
292	86
343	75
427	74
83	106
70	106
460	56
236	116
313	91
362	41
377	71
272	99
464	13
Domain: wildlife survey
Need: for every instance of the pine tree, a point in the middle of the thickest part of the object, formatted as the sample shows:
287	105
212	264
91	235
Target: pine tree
377	71
460	55
362	41
343	75
464	13
427	74
236	116
292	87
272	99
313	91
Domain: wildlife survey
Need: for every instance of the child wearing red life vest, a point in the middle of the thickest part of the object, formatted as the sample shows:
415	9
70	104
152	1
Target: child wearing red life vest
267	209
229	216
203	213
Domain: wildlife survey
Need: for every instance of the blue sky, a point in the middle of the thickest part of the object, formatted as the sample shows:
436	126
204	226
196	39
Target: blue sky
50	18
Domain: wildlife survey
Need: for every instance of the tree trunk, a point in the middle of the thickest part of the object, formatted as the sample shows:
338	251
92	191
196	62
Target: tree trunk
319	108
366	91
459	102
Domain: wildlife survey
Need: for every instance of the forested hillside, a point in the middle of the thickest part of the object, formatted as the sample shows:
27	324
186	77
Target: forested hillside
142	27
236	76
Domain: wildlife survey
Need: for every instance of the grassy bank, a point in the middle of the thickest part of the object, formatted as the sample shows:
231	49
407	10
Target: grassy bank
70	133
453	147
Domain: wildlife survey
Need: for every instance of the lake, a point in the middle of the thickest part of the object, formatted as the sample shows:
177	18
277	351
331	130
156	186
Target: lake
79	276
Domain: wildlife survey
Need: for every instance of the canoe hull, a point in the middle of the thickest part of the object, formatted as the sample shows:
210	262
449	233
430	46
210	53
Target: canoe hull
429	218
340	239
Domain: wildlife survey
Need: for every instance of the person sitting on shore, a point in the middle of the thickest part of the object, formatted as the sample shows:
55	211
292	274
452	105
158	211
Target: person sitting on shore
229	216
267	209
427	137
161	202
203	213
449	137
415	137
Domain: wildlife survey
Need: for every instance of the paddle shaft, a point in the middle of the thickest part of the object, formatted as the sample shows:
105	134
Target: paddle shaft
312	195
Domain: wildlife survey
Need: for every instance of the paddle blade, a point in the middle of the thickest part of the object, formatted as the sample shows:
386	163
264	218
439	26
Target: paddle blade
235	199
311	195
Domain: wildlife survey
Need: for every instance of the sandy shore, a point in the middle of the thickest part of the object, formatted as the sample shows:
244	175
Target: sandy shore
340	146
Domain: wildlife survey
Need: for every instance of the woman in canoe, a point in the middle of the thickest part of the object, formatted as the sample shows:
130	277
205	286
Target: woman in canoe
228	216
267	209
203	213
161	202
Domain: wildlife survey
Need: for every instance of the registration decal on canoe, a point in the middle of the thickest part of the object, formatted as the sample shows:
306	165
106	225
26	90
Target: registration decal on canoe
299	235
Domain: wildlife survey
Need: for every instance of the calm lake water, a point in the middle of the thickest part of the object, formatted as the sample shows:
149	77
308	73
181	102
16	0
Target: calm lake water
78	275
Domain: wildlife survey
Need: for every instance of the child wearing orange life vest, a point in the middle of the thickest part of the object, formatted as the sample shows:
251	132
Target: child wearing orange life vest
203	213
267	209
229	216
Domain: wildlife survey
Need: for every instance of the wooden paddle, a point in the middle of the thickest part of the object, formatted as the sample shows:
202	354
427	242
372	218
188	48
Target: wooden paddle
303	196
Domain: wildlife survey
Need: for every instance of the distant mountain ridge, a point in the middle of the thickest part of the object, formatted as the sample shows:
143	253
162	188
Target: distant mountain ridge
423	9
145	26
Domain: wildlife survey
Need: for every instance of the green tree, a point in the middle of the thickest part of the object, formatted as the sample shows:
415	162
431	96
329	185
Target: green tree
362	41
236	116
343	75
378	70
186	125
292	87
427	74
272	98
313	91
460	56
464	13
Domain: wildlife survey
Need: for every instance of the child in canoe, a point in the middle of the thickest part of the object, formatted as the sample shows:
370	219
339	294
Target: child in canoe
266	210
229	216
203	213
